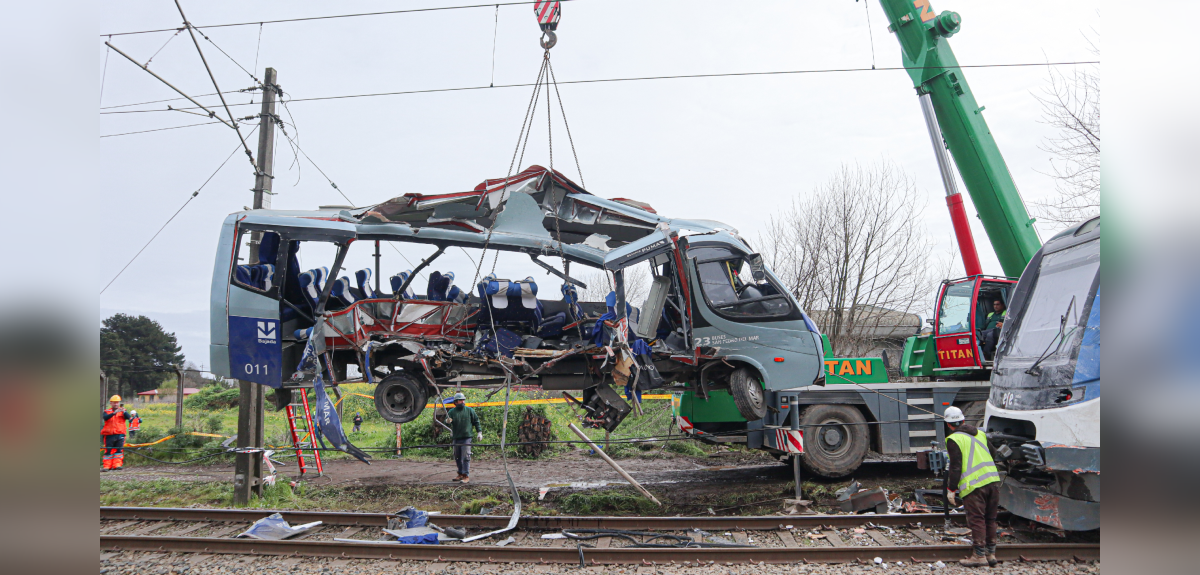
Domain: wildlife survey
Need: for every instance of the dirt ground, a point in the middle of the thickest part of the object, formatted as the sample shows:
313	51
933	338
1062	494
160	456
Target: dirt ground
679	479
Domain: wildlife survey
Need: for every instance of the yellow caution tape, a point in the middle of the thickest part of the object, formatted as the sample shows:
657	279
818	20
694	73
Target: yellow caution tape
171	436
537	401
501	403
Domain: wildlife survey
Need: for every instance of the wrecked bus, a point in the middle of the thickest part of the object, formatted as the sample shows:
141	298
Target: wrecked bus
714	317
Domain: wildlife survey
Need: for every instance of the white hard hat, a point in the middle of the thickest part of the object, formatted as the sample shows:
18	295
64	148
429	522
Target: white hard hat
459	396
953	415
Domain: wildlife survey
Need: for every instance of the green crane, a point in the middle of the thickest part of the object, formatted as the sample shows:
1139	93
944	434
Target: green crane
935	72
960	344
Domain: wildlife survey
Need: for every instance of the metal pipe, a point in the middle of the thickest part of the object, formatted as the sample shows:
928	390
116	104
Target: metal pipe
614	465
958	214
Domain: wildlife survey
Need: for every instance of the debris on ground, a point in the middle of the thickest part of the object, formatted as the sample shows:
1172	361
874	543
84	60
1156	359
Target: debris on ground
274	527
407	518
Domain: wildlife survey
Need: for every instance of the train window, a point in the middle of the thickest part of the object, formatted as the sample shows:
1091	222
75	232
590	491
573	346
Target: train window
954	316
1064	281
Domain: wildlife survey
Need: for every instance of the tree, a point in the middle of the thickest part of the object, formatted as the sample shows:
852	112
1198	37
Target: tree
1071	104
854	256
137	352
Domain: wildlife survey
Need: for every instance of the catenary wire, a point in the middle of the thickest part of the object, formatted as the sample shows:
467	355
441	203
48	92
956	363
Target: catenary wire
331	17
160	48
173	99
159	129
870	32
169	220
667	77
104	74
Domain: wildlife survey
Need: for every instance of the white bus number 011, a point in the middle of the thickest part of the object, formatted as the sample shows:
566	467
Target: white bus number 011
255	369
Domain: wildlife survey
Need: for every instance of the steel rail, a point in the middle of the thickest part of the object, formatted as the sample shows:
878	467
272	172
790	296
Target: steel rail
592	556
530	522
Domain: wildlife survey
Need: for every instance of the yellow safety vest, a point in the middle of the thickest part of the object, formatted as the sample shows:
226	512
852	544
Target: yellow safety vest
979	468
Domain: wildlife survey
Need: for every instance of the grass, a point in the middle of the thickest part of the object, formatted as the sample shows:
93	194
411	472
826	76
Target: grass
305	496
378	436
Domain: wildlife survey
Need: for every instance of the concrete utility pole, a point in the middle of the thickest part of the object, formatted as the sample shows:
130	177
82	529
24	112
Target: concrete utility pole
247	478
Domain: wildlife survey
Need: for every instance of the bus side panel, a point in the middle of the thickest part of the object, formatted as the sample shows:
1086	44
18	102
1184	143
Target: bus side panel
255	341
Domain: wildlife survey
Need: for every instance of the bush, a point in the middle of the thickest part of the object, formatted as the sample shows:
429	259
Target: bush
213	397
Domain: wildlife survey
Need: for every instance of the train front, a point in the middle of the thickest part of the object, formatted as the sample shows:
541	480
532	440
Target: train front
1045	397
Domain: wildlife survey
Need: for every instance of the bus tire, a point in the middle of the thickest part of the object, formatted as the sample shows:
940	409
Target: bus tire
400	399
833	450
747	390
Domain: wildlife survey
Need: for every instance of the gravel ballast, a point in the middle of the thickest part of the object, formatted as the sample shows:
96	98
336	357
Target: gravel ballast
141	563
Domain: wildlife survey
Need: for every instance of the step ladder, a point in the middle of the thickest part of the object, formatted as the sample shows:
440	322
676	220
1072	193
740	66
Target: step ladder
300	423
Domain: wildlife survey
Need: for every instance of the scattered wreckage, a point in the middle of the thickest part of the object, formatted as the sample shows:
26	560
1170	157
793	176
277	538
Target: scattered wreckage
716	318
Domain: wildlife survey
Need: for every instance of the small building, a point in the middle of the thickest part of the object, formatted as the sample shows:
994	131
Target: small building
157	396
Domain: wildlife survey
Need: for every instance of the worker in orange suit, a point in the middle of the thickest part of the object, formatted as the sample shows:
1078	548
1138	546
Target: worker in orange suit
116	423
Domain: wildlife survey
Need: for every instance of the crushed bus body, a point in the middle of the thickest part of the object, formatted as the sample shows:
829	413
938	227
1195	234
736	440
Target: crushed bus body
714	317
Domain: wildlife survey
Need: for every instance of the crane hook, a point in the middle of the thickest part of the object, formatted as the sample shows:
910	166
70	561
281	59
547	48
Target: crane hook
548	40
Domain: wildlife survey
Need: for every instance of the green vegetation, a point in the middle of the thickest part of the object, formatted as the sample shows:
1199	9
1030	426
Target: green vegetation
473	506
214	410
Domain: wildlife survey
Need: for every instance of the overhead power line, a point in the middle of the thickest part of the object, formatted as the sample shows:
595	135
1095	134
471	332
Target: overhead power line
159	129
647	78
330	17
172	218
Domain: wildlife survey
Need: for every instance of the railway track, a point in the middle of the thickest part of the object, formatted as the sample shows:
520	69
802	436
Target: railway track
783	539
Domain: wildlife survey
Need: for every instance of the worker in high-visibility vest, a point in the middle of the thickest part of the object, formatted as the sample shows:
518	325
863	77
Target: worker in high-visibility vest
135	423
974	479
113	432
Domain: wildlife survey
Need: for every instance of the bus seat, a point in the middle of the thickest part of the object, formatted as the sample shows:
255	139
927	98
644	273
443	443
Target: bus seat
571	297
511	302
342	293
439	286
398	280
310	287
363	278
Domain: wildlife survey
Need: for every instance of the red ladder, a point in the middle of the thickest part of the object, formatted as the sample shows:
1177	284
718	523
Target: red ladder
302	434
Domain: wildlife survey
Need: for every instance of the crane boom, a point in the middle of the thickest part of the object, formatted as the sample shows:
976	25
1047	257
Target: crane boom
935	72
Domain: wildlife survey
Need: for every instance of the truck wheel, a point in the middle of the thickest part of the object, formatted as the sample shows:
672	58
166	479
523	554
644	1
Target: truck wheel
399	399
835	441
747	391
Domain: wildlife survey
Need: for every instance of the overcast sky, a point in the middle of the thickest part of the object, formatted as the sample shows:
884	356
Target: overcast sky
732	149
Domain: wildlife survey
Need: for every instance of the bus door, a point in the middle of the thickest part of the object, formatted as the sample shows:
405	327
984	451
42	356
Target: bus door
257	262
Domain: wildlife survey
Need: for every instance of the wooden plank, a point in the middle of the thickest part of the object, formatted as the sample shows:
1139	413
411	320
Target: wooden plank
788	540
924	536
880	538
741	537
834	539
314	531
348	532
119	526
227	530
153	526
189	529
603	542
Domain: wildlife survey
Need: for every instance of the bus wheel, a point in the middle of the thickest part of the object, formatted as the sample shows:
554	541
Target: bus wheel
835	441
399	399
747	391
